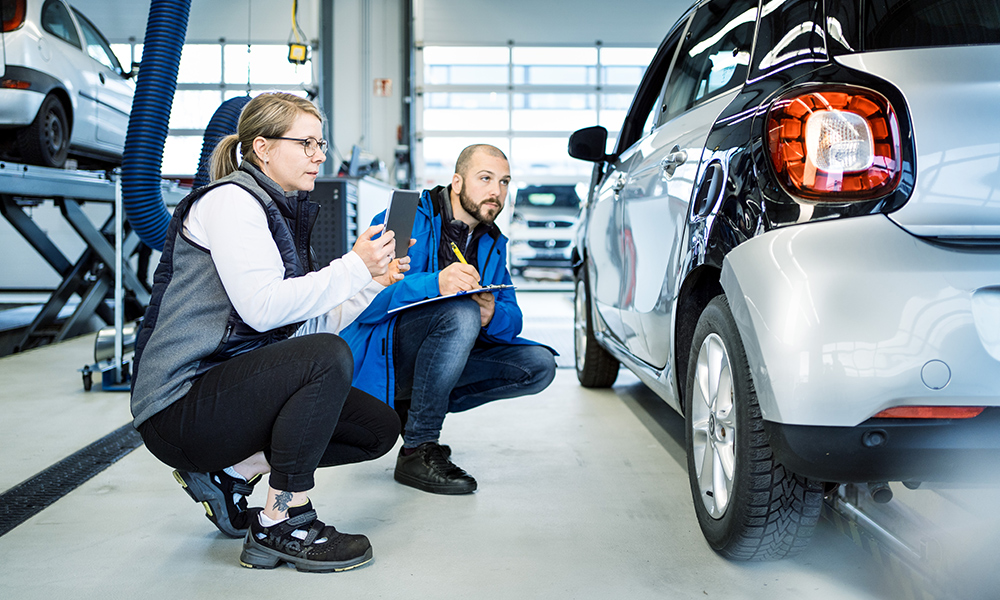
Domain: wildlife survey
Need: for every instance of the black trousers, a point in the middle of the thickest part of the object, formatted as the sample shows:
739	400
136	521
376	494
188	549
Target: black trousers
292	400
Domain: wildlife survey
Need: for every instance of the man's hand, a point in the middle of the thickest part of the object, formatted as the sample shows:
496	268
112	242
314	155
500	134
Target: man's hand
487	306
377	253
457	277
396	269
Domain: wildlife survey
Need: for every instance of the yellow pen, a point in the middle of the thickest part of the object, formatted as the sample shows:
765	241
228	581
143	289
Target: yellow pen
454	248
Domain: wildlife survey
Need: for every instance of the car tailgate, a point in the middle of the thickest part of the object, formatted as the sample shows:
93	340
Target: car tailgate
953	94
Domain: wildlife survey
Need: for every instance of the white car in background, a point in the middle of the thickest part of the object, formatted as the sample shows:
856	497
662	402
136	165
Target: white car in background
542	227
62	90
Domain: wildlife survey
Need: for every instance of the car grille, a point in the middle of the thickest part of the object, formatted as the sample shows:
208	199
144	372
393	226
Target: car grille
550	224
550	244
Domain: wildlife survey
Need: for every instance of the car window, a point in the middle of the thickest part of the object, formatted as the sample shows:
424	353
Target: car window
714	56
645	106
555	196
890	24
56	20
97	46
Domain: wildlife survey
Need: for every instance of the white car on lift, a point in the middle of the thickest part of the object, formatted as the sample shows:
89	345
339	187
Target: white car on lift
62	90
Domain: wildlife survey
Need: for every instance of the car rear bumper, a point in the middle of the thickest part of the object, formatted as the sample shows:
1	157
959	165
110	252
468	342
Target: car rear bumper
845	318
18	107
941	450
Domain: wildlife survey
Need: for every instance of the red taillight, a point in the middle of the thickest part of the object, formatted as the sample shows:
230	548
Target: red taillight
835	144
931	412
13	14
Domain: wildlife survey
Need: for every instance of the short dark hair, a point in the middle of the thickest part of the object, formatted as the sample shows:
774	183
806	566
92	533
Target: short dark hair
462	164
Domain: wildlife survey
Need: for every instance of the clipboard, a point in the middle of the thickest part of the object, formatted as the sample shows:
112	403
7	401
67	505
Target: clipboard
488	288
399	217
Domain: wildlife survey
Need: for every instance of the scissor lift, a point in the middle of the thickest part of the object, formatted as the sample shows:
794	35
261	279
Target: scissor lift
100	271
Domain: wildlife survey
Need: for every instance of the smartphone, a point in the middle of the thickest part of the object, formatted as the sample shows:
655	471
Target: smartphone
399	217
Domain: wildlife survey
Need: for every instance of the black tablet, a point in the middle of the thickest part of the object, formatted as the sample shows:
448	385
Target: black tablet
399	217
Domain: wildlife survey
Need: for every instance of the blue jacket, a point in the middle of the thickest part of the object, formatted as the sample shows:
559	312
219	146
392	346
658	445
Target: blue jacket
370	335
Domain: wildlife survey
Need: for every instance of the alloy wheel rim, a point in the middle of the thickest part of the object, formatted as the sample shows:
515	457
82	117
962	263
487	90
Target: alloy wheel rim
580	324
713	426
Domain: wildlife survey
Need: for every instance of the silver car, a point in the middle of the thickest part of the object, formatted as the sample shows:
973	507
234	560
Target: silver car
796	244
62	90
542	227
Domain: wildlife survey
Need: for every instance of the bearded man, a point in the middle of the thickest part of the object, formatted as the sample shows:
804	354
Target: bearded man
457	353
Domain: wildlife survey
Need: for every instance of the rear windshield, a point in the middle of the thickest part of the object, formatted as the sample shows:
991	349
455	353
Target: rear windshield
890	24
556	195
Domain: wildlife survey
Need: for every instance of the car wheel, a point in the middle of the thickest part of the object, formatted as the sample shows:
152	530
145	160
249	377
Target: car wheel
748	505
46	141
595	367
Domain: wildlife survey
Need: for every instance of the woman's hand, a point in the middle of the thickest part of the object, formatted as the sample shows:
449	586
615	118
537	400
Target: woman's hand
377	253
396	269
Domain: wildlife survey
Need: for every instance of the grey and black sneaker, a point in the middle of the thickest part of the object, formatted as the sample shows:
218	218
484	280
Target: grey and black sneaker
304	541
224	498
430	469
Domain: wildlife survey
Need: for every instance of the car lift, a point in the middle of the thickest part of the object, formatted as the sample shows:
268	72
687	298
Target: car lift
100	267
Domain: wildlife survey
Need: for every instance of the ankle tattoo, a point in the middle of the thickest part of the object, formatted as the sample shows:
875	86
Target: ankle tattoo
281	501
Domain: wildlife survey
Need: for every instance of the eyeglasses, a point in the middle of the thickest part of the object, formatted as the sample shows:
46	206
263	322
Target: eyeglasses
309	145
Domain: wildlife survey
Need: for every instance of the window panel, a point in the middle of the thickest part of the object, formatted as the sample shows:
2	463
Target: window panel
535	159
465	75
124	54
636	57
268	63
193	109
622	75
553	112
181	155
555	75
463	111
614	108
555	56
465	55
201	63
540	121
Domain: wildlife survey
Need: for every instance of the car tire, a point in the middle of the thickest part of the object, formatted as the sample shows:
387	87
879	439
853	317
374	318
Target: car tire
595	367
748	505
46	141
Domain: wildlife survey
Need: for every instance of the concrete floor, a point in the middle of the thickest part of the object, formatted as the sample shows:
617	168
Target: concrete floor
582	494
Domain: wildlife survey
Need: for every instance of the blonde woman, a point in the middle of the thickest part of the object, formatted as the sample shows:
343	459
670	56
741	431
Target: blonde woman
238	371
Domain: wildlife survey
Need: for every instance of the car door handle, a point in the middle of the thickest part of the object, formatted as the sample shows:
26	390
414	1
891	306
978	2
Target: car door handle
674	159
101	75
619	184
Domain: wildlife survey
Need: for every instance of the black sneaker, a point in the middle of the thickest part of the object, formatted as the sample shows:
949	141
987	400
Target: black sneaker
429	469
215	491
318	548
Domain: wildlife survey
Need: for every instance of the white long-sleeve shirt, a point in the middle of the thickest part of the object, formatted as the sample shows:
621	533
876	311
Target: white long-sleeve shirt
231	224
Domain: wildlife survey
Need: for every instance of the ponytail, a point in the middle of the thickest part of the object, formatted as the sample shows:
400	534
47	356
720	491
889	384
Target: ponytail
224	157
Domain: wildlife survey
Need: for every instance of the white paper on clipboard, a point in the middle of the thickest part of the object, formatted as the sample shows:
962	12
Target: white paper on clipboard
488	288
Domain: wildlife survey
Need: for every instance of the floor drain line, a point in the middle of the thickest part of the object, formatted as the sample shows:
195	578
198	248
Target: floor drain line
26	499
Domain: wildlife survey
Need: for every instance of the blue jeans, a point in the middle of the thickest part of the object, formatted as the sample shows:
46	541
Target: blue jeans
441	367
